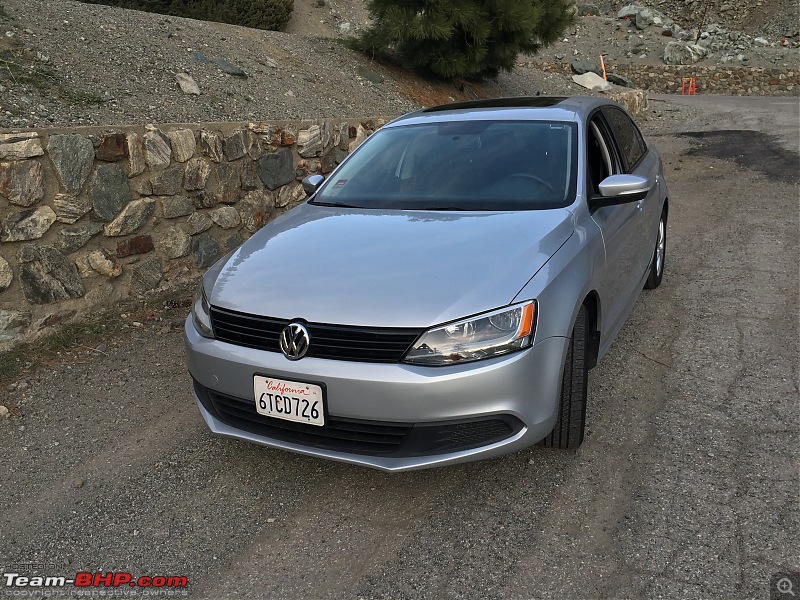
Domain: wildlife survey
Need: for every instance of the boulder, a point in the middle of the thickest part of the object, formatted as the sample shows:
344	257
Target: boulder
683	53
592	81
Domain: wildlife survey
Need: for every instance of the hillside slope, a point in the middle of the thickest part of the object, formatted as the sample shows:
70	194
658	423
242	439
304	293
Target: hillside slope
67	63
72	63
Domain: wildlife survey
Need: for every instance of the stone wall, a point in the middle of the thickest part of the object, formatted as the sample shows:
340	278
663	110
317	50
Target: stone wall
91	215
733	81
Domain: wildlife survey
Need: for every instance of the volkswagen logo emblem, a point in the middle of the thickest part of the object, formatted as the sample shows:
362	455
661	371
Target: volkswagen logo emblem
294	341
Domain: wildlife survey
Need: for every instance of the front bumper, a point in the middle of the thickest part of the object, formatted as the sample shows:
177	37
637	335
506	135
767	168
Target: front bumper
520	390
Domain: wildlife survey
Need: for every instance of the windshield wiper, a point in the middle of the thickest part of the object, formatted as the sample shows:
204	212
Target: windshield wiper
459	208
336	204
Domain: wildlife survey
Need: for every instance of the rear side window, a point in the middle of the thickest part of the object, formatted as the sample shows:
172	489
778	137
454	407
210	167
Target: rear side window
630	141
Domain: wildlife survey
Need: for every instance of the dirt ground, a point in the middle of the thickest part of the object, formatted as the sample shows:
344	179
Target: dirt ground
686	485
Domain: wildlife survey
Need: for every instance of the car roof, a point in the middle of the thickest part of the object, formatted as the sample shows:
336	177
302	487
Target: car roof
526	108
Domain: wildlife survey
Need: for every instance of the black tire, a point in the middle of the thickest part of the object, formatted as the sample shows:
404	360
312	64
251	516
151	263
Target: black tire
571	421
657	266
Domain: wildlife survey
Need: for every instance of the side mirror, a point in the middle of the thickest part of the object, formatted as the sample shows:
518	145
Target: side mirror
311	184
620	189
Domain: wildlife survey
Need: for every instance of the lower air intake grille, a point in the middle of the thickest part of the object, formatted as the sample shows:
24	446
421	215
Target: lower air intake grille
376	438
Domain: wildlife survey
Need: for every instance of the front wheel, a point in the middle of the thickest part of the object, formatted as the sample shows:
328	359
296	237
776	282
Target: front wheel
659	254
571	421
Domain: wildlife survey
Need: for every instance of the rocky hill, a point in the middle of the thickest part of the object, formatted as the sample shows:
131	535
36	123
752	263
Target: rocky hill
67	63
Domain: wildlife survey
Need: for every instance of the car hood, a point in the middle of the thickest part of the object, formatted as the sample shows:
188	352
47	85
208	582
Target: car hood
387	268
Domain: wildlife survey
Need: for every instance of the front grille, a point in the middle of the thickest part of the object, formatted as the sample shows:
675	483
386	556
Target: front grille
356	436
335	342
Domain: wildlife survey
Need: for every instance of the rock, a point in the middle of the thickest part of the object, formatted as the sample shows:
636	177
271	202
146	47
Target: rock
136	162
760	41
105	264
22	182
331	159
226	217
47	276
211	145
288	136
309	142
276	169
579	67
360	136
175	206
174	243
142	186
223	184
290	195
77	236
588	8
146	275
29	224
138	244
634	101
168	182
109	191
4	412
620	80
203	199
196	174
113	147
237	144
230	68
84	268
683	53
132	217
260	145
255	208
183	144
234	241
642	16
327	134
157	151
12	322
18	146
369	75
205	250
592	81
72	156
6	274
187	83
644	19
197	223
249	176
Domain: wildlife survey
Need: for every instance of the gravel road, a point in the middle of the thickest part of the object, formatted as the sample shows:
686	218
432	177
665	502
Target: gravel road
687	484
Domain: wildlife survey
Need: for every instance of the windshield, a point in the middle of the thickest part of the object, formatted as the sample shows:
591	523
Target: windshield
464	165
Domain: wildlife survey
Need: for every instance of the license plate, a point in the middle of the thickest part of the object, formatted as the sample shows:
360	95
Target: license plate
289	400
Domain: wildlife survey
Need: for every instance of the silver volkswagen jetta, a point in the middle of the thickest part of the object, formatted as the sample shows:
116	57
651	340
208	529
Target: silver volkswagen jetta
442	296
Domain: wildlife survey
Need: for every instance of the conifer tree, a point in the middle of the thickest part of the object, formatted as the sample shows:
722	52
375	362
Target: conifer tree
462	38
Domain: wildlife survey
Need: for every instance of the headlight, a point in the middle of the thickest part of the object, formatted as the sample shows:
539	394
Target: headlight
201	316
485	336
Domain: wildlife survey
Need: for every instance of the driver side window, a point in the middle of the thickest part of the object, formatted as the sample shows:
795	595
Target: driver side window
599	161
